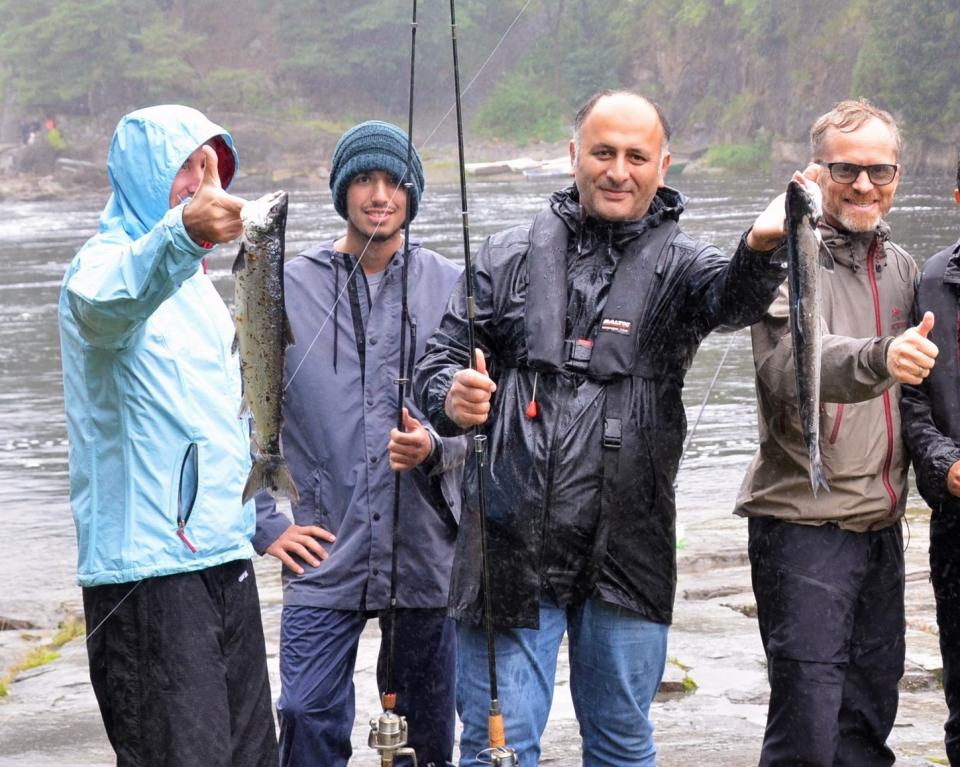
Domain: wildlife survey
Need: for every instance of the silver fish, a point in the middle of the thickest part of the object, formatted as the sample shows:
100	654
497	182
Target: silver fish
804	208
263	334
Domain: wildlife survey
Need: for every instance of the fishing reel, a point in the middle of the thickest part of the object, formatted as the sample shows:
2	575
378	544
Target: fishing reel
388	735
500	756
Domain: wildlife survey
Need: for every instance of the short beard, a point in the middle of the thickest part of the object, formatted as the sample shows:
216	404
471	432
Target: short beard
859	224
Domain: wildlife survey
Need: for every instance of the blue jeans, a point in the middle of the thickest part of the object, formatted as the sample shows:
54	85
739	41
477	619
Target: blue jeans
616	662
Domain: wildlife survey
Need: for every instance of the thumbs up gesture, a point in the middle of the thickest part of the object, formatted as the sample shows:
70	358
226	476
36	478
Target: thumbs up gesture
911	356
468	401
212	215
410	447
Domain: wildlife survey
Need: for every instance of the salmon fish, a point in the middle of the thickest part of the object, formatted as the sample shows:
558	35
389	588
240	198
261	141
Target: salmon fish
263	334
804	208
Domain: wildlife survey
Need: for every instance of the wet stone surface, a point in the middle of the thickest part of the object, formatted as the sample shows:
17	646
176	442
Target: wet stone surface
50	715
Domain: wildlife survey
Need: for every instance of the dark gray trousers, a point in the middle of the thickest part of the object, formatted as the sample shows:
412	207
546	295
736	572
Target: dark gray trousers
945	574
830	607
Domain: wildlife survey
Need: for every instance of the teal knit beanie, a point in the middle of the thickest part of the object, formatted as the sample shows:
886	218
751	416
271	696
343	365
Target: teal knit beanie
370	146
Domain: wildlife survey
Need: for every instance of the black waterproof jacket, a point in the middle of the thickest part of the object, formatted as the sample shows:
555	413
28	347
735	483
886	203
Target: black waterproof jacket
930	412
572	511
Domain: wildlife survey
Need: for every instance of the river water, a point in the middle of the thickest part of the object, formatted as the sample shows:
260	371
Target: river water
38	239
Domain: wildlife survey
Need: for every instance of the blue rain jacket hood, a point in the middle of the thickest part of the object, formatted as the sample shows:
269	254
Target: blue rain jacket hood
158	455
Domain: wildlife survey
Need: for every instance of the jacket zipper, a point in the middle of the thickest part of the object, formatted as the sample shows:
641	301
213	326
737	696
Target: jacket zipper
836	425
887	413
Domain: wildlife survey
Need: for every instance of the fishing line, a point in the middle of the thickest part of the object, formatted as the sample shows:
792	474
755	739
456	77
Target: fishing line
703	405
115	608
430	135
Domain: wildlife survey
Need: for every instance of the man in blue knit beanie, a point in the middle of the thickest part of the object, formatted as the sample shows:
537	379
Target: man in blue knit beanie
343	451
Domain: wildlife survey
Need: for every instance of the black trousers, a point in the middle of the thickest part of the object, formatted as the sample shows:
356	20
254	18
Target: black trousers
830	607
179	669
945	574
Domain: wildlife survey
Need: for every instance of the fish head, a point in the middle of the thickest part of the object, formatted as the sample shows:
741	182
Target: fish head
804	198
264	216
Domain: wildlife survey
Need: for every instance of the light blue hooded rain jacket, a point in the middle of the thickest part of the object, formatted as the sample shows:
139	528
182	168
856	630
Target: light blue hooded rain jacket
158	455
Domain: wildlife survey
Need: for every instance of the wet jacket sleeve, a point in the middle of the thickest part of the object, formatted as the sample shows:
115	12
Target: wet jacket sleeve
117	283
271	523
448	348
732	292
852	369
932	452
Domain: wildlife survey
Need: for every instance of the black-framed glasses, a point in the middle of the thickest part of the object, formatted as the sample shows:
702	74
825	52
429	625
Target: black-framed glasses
848	172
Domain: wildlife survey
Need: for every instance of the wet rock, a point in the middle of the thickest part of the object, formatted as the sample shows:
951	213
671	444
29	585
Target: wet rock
710	593
15	624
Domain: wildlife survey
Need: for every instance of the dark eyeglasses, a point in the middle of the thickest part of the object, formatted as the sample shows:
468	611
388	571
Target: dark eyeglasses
848	172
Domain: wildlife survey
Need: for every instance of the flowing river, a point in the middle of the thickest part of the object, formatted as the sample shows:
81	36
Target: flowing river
38	239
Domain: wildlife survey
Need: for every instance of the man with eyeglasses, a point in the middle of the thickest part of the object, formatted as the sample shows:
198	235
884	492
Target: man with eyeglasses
931	429
828	572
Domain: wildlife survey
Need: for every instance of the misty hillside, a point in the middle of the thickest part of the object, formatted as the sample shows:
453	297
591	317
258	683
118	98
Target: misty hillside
742	74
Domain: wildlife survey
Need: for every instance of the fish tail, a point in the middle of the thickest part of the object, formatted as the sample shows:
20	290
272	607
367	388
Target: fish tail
818	477
270	472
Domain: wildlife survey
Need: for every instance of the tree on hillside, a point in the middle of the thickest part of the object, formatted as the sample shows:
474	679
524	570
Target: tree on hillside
910	64
92	55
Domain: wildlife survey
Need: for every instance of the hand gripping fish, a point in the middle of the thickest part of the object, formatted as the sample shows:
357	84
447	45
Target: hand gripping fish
804	208
263	334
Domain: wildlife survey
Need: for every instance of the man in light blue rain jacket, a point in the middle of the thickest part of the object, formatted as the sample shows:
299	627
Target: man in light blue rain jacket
158	457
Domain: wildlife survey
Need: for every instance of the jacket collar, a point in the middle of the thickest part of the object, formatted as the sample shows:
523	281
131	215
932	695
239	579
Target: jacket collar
850	249
667	205
951	274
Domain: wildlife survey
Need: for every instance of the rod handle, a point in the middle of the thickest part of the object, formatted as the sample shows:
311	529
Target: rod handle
495	731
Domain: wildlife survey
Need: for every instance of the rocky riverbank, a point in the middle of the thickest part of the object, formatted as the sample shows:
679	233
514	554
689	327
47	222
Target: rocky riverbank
711	710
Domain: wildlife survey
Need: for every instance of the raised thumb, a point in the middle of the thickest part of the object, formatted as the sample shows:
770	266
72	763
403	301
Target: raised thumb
409	422
481	361
211	171
926	324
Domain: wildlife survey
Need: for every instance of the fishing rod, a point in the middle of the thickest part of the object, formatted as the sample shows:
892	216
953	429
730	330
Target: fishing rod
388	732
500	754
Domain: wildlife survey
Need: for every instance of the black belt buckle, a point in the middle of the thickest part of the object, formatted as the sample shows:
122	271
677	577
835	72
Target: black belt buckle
612	433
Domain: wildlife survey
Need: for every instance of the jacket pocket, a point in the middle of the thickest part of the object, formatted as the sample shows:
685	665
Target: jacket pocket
835	430
319	511
187	491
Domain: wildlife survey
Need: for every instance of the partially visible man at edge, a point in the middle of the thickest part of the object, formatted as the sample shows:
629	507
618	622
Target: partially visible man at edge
827	571
343	450
931	429
158	457
594	312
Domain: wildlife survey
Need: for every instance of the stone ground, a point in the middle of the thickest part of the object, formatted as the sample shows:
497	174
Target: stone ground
50	718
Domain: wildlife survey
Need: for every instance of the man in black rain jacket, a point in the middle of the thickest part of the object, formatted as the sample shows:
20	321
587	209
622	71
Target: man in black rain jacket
930	414
588	320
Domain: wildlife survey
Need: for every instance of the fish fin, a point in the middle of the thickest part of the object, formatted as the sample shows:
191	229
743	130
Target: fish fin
270	473
240	263
288	330
244	408
826	257
235	346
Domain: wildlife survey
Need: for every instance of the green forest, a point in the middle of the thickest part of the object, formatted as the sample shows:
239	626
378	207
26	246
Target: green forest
738	73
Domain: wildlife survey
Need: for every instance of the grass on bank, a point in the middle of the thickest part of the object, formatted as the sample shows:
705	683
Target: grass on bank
39	656
739	157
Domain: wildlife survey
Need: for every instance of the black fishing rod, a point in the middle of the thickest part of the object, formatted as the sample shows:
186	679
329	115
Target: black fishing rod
388	732
500	754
